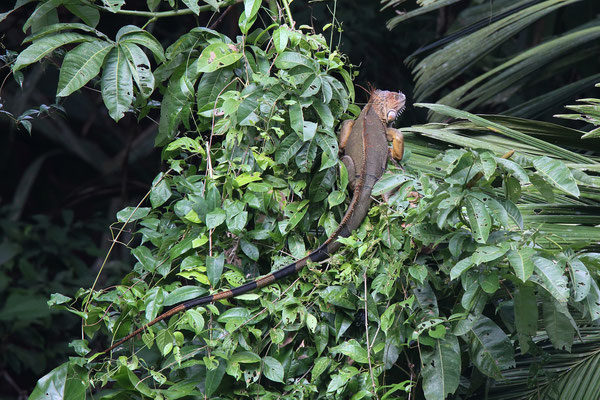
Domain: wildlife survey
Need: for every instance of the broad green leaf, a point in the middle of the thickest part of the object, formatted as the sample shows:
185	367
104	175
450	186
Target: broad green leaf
515	169
309	129
552	278
43	14
117	84
175	108
245	357
557	174
491	350
558	323
324	113
460	267
296	118
214	377
441	368
192	5
214	268
485	254
153	302
352	349
251	7
160	192
216	56
140	37
280	38
182	294
581	279
212	85
80	65
87	14
526	310
522	262
249	249
130	214
139	65
592	301
290	59
215	218
273	369
287	149
145	257
479	219
46	45
67	381
387	183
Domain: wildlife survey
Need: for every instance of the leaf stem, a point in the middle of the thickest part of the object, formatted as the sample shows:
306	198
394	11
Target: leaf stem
164	14
286	5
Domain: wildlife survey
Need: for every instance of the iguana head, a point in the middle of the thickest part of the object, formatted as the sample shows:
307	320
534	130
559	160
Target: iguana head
387	105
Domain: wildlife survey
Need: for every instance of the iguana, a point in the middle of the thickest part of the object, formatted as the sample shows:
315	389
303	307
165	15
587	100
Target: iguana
364	142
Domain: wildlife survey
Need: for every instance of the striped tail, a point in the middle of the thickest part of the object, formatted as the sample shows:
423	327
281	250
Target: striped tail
318	255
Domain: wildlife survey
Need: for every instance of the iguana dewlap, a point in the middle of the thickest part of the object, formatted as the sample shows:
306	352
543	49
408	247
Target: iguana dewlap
364	142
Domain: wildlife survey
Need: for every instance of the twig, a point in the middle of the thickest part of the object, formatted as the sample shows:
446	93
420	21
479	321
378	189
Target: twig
367	333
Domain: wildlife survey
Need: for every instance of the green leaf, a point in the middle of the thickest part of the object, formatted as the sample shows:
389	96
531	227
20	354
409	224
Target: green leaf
273	369
245	357
515	169
522	262
490	348
192	5
182	294
592	301
80	65
479	219
441	368
581	279
217	56
296	118
552	278
251	7
46	45
63	382
161	192
130	214
558	323
214	377
87	14
287	149
214	268
557	174
309	129
460	267
324	113
352	349
526	310
139	65
280	38
43	14
215	218
117	84
249	249
291	59
485	254
387	183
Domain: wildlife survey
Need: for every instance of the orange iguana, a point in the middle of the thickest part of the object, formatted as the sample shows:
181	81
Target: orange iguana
364	142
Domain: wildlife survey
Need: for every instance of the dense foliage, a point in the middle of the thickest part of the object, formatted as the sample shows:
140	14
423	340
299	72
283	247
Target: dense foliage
474	255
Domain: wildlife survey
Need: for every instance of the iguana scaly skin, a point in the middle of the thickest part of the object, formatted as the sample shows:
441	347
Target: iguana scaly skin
364	142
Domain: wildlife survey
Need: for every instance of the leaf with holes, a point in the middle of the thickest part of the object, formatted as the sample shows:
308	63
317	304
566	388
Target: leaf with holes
557	174
217	56
441	368
490	348
117	84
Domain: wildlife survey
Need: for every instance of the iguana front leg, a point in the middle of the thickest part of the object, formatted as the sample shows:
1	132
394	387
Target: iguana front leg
397	139
345	131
